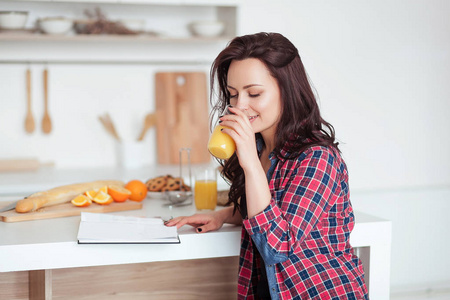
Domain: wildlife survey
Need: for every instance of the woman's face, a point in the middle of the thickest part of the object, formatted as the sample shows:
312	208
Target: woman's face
253	90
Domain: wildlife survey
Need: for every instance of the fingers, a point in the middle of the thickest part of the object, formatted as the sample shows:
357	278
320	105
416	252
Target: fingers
237	125
194	220
178	221
207	227
202	223
238	117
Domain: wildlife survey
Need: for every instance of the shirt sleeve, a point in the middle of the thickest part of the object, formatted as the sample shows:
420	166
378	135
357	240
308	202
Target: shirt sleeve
310	189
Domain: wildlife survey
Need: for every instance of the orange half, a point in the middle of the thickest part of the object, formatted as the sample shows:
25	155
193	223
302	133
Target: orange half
118	193
81	201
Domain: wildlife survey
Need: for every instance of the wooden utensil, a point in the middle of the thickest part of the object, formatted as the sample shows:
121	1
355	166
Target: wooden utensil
29	119
106	125
182	109
109	126
46	121
21	164
149	122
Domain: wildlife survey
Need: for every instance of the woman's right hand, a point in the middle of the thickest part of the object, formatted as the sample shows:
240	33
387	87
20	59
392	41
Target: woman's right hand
202	222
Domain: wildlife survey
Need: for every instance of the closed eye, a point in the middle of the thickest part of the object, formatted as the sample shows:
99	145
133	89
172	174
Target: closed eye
254	95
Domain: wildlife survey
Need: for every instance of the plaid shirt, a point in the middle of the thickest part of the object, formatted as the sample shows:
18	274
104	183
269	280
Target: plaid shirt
303	235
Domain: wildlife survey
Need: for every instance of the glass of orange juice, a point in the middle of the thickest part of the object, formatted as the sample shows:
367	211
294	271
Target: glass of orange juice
205	190
220	144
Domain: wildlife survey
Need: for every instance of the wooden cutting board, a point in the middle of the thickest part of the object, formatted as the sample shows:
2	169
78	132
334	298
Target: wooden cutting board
66	210
21	164
182	116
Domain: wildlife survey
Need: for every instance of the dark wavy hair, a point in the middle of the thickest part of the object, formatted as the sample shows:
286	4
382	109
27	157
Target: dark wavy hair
300	126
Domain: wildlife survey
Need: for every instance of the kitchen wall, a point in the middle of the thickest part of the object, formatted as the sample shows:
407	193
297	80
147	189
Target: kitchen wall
81	91
78	94
380	70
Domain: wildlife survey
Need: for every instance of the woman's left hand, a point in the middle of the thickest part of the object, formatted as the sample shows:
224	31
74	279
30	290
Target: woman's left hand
241	131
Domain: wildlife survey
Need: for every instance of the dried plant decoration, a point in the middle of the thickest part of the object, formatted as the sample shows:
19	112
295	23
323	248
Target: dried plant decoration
98	23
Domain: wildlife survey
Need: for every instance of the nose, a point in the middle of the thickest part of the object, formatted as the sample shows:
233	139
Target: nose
241	103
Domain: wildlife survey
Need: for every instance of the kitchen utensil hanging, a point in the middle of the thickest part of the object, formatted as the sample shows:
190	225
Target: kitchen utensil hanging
109	125
46	121
29	119
149	122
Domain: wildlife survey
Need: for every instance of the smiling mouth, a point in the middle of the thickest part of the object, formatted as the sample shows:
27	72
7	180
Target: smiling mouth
252	118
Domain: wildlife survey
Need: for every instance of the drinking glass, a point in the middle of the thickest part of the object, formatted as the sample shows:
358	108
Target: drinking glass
205	191
220	144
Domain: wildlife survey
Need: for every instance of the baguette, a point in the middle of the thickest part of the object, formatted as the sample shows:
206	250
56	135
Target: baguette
61	194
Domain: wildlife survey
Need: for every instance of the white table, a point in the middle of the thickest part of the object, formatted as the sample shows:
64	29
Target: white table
53	244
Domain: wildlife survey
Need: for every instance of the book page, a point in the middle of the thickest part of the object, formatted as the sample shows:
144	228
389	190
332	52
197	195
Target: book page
112	228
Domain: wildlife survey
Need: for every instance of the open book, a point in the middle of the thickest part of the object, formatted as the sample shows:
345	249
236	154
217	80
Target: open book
112	229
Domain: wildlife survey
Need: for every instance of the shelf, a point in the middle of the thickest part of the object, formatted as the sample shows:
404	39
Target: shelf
108	49
11	37
151	2
166	38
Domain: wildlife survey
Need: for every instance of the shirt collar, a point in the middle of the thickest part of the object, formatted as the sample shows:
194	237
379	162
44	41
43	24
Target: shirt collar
273	155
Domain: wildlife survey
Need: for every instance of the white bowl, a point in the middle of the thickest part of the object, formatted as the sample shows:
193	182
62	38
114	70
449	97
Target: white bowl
207	28
13	19
55	25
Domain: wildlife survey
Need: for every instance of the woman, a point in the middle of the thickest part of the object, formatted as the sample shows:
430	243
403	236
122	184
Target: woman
289	184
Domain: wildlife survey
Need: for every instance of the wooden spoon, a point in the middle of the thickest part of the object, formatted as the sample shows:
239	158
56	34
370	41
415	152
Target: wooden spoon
29	119
149	122
46	121
111	125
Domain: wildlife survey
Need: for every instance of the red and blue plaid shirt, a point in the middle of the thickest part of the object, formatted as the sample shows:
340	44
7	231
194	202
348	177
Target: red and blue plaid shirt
303	235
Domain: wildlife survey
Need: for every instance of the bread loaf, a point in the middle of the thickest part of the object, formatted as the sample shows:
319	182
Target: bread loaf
61	194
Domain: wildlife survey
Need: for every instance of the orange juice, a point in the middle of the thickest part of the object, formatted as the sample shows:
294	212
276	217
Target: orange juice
220	144
205	194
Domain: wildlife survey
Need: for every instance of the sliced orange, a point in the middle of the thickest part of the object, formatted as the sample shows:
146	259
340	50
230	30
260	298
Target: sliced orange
118	193
91	194
81	200
102	198
103	189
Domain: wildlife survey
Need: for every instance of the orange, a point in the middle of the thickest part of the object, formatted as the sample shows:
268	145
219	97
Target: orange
118	193
91	194
81	200
103	189
102	198
138	190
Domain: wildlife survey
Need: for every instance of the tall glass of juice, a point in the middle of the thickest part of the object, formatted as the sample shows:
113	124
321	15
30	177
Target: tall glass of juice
205	190
220	144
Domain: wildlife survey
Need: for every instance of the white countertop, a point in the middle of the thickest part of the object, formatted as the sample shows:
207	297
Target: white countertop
26	183
52	243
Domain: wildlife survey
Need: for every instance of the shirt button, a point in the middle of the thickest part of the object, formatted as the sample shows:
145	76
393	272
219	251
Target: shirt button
270	266
273	289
